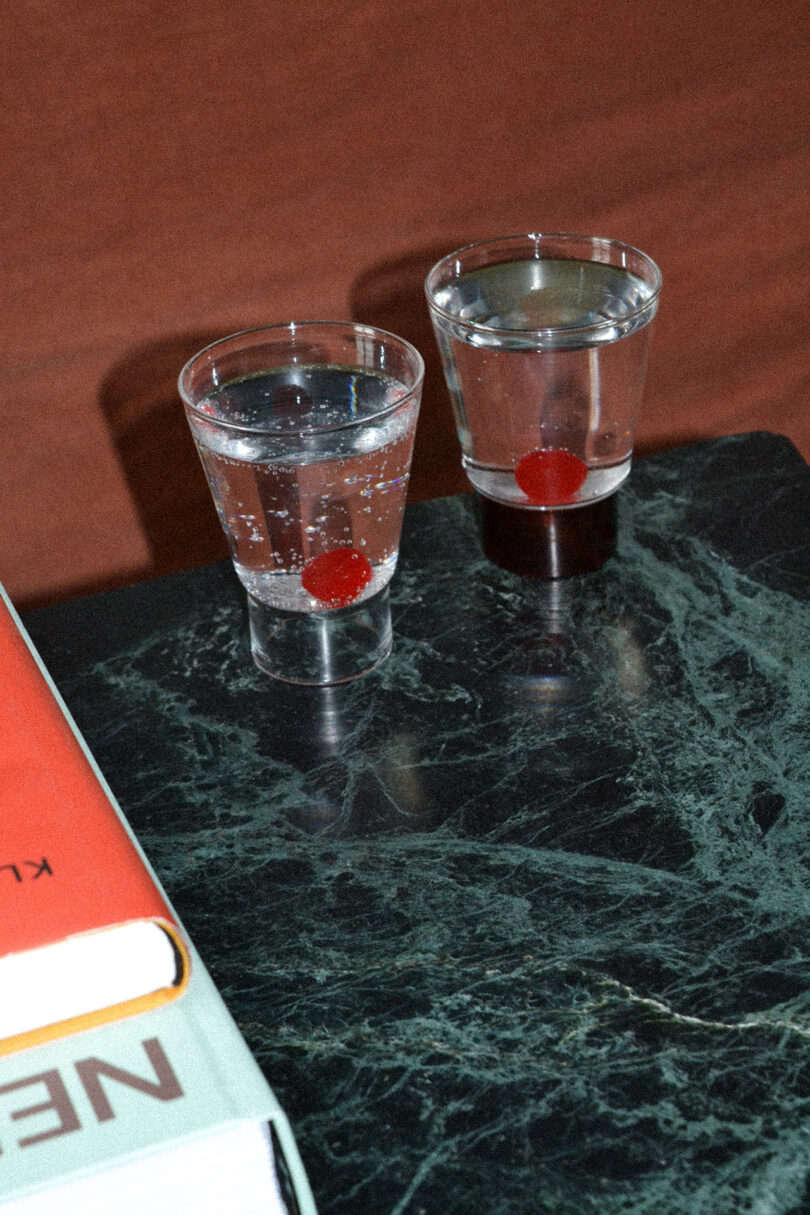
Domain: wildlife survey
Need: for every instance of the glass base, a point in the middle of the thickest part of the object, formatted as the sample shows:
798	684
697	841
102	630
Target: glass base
320	648
549	543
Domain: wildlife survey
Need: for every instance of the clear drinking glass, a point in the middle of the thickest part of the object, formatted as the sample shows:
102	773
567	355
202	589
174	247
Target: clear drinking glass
544	342
305	431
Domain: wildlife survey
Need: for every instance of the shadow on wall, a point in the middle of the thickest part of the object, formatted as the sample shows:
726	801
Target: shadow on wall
391	295
142	408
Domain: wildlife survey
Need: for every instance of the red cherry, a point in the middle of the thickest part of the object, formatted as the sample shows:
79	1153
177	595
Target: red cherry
337	577
549	476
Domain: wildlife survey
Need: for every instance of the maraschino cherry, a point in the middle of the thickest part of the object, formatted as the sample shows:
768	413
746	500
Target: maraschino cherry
550	476
335	578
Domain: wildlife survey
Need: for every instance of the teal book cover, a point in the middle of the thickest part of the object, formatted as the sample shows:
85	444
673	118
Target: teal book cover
125	1084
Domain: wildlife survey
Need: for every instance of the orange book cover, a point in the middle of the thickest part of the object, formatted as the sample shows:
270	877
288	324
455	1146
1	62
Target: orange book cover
70	872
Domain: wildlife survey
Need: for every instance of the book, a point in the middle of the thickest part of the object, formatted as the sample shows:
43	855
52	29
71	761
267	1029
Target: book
125	1084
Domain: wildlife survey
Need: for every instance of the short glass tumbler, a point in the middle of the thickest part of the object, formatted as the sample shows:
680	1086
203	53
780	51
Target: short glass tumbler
305	431
544	341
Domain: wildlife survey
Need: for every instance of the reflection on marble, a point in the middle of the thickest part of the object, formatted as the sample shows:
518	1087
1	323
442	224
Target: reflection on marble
519	922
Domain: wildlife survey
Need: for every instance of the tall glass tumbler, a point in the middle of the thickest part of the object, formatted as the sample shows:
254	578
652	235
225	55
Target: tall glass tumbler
544	341
305	431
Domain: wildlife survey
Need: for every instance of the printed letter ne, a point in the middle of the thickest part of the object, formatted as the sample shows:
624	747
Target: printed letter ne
165	1088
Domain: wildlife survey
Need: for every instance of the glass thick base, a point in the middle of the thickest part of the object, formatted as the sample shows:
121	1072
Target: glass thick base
549	543
319	648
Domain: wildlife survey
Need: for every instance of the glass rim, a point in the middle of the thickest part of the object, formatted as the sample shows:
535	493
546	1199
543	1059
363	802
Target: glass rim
355	327
606	242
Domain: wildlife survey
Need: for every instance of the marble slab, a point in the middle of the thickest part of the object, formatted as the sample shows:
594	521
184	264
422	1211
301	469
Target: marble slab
519	922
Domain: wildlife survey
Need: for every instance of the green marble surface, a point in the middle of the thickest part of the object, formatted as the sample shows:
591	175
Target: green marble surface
519	922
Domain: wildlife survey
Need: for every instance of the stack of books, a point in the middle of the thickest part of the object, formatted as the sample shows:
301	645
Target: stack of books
125	1084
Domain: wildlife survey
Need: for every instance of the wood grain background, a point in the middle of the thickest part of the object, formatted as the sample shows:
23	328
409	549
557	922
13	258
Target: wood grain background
172	172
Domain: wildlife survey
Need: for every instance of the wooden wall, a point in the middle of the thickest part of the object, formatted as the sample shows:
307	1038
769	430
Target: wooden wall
173	172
